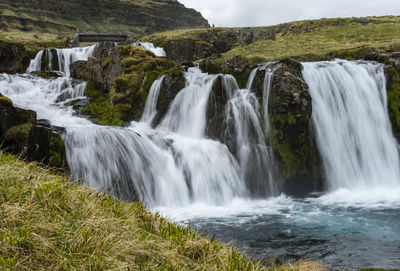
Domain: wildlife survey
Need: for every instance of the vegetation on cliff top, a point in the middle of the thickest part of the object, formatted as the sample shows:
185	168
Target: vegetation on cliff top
311	38
128	16
318	38
48	223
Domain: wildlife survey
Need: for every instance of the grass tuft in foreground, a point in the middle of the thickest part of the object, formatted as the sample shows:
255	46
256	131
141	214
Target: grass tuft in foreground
48	223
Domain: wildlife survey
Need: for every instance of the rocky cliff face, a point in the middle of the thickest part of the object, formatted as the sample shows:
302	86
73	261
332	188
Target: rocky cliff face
13	57
21	134
130	16
119	79
290	109
191	45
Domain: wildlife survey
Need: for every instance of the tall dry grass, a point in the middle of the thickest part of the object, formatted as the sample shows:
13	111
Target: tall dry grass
49	223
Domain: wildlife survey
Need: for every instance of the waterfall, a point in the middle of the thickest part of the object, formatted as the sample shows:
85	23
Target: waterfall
269	73
173	165
352	126
158	51
187	113
36	63
70	55
65	57
150	109
245	136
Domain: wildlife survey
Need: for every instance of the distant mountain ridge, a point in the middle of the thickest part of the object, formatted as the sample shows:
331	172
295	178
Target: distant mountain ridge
127	16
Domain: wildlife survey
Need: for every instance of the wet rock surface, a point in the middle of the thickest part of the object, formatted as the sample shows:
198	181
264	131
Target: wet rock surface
22	134
13	58
119	79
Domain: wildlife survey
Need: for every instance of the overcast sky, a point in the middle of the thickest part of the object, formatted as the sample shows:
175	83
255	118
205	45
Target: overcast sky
270	12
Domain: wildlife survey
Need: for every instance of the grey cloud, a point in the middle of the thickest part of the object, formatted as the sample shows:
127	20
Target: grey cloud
269	12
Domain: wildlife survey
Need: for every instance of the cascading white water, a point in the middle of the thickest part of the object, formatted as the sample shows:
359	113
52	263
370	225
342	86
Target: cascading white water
70	55
36	63
353	130
245	136
150	109
172	165
158	51
162	167
65	57
187	113
269	73
165	167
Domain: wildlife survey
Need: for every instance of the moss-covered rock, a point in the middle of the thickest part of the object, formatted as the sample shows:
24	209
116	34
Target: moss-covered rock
195	44
393	96
13	57
4	101
216	111
22	134
46	74
290	110
18	133
119	79
237	66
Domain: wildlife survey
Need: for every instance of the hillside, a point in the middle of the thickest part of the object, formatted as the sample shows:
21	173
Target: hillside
128	16
48	223
314	38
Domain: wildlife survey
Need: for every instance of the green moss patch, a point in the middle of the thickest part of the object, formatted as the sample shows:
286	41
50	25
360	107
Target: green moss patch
126	98
5	101
106	112
393	96
18	133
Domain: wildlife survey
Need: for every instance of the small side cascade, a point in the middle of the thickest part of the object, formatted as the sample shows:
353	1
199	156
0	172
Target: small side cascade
150	109
158	51
65	57
71	55
187	113
245	136
36	63
269	73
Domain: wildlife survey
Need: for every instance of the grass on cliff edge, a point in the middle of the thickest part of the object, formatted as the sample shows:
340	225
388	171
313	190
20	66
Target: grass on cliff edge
35	41
48	223
309	39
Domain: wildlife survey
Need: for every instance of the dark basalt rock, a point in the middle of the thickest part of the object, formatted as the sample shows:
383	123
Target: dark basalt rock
119	79
216	111
13	58
170	87
21	134
47	74
210	42
290	109
237	66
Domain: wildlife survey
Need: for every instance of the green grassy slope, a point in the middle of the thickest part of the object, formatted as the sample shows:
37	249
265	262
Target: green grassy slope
301	38
317	38
128	16
48	223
